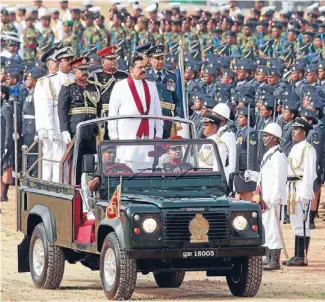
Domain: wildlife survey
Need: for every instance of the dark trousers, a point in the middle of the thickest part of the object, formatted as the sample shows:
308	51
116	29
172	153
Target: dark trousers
28	139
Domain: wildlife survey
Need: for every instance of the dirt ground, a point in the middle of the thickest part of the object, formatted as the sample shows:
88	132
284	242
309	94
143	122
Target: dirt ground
81	284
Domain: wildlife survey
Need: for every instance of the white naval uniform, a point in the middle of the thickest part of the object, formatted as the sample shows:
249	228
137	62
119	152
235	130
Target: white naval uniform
122	103
229	138
46	117
303	167
272	179
207	159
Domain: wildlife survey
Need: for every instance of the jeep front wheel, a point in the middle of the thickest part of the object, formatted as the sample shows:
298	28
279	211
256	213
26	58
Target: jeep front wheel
169	279
46	260
246	276
118	272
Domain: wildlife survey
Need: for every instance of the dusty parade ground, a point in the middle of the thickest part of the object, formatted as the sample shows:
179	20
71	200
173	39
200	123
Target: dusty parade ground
81	284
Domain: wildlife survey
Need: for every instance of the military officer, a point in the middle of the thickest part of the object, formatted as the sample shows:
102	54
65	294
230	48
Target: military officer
28	124
46	113
208	84
117	31
211	125
77	28
79	101
7	160
91	35
246	154
301	175
6	25
46	31
69	39
166	85
108	75
271	185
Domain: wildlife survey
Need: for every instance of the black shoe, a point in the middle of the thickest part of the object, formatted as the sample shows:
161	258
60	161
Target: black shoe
286	219
267	259
285	262
298	261
300	258
4	198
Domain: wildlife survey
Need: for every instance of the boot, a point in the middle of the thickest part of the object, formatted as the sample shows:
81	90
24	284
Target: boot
312	215
267	259
274	262
285	262
299	261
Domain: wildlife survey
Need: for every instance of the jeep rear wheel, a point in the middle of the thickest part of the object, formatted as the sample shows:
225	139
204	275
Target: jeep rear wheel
169	279
46	260
246	276
118	272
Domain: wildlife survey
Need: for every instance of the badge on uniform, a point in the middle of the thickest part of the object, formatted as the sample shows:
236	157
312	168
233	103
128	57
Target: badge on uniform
29	98
239	140
171	85
253	142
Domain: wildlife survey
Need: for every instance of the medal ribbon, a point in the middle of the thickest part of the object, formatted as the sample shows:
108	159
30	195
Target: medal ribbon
144	125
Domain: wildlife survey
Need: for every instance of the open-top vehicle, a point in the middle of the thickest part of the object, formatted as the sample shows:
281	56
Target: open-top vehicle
154	208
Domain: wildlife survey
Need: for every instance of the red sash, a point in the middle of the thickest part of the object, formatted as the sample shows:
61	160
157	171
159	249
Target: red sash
144	125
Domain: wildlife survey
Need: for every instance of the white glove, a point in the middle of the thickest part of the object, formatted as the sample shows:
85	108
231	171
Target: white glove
15	135
6	151
35	138
42	134
66	137
50	134
250	175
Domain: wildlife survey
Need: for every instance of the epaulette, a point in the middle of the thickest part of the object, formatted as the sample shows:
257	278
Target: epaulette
218	140
68	83
46	76
308	145
94	82
97	71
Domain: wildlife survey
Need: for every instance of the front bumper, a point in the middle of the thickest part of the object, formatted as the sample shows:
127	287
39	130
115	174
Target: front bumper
191	253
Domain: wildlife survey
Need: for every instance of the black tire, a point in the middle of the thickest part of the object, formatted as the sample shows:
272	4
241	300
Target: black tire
123	284
51	274
169	279
246	276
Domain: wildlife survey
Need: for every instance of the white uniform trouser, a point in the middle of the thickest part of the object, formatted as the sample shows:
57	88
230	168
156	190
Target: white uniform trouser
53	151
272	233
297	219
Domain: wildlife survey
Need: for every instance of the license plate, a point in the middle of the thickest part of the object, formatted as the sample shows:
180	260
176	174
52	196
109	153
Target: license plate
199	254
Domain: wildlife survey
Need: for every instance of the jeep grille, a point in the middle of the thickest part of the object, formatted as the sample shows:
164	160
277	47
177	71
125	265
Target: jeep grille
176	225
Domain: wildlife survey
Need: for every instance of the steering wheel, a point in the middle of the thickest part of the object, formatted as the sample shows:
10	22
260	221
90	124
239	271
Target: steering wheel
118	168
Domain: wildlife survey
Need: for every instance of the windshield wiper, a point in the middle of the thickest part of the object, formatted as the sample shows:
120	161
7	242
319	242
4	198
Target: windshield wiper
142	170
191	169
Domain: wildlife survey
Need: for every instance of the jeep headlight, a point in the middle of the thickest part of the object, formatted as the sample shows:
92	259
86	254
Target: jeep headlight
149	225
240	223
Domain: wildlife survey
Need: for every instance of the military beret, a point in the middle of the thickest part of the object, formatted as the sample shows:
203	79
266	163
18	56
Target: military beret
242	111
68	23
36	73
291	105
196	95
231	33
13	72
297	67
229	73
210	69
208	102
277	25
321	65
262	69
274	71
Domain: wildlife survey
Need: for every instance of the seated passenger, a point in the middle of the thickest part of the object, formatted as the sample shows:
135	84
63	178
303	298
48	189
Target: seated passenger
173	162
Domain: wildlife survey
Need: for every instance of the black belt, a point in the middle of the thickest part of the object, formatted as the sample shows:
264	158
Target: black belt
294	178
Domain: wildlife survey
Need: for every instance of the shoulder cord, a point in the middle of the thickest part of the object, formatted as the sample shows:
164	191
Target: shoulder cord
293	168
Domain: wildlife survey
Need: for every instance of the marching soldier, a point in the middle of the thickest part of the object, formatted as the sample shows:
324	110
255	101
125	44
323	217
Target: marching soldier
108	75
91	35
301	175
79	101
166	85
69	39
28	114
46	31
77	28
271	186
6	25
245	155
46	113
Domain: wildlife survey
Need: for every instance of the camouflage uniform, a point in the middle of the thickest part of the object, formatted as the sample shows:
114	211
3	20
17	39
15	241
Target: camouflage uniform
30	43
8	27
247	42
117	33
47	37
91	36
71	40
104	36
159	38
77	29
131	40
145	37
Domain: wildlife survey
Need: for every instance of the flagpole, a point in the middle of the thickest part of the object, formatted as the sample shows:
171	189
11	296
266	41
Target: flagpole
181	70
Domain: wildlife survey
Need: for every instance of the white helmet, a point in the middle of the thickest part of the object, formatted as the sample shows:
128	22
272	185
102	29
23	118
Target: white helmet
273	129
223	110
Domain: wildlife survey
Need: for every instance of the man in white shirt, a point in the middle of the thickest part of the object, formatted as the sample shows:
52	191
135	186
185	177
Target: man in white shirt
272	187
135	96
46	113
301	176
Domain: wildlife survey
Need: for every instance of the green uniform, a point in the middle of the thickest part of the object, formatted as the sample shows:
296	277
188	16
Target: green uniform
145	37
117	33
77	29
159	38
8	27
47	37
91	36
247	43
131	40
71	40
30	42
104	36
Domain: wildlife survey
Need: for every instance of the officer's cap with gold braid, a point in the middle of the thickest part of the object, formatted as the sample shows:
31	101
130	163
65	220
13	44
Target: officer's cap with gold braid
301	123
108	52
80	63
63	53
212	119
310	115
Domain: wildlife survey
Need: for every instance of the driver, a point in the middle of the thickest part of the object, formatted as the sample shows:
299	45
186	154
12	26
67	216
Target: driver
88	186
174	159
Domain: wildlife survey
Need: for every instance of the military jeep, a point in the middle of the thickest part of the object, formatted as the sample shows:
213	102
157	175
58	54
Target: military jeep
155	209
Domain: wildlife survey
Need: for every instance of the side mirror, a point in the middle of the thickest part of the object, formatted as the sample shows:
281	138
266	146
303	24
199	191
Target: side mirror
88	164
